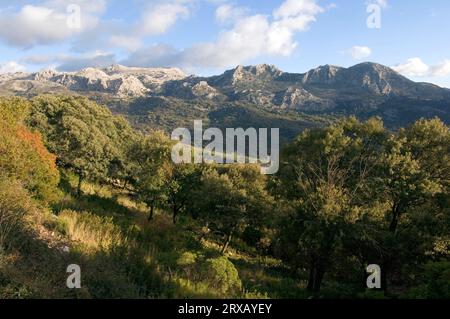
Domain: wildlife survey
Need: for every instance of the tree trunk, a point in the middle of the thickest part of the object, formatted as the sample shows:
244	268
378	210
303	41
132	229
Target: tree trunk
316	274
386	260
394	220
394	223
80	181
227	242
152	210
175	213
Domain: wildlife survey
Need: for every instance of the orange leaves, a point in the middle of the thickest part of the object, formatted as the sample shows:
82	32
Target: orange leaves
23	156
34	141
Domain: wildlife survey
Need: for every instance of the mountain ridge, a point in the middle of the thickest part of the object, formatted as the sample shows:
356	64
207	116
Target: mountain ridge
167	97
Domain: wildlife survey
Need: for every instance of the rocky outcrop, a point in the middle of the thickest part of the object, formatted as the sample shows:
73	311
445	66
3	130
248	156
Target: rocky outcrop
203	90
117	80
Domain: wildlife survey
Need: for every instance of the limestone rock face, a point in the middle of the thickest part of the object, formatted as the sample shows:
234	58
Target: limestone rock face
202	89
322	75
117	80
364	90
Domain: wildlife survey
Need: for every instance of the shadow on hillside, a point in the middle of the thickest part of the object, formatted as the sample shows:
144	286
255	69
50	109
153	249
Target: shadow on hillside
98	205
276	281
33	269
36	268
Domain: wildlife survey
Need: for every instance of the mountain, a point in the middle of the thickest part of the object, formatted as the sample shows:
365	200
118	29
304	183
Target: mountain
116	80
262	95
364	90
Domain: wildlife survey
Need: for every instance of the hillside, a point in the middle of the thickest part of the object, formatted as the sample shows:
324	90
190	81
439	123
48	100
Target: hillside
79	186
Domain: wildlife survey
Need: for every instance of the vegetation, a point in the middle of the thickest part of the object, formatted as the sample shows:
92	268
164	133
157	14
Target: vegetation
79	186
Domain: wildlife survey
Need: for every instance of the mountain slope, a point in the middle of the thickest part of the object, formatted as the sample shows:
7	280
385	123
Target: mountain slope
166	98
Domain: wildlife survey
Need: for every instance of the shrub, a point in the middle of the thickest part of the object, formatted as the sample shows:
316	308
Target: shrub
437	275
221	274
23	155
15	203
186	259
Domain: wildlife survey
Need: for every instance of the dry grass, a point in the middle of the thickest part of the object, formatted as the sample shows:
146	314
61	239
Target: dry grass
94	232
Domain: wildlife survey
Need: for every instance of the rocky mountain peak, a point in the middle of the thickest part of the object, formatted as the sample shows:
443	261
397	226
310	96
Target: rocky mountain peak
116	79
325	74
250	73
44	75
377	78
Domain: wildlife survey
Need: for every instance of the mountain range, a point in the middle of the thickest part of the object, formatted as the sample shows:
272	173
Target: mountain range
259	96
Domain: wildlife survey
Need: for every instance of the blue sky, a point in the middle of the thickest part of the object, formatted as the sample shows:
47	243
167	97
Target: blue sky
209	36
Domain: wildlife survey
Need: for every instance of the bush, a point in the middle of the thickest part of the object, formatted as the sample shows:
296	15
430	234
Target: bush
437	276
186	259
221	274
15	203
23	155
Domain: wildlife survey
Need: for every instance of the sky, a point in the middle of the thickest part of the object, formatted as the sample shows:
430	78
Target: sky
207	37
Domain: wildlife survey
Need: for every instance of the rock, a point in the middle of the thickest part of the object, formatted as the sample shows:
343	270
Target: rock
117	80
203	90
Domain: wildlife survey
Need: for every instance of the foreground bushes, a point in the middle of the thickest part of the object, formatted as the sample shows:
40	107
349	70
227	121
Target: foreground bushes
15	204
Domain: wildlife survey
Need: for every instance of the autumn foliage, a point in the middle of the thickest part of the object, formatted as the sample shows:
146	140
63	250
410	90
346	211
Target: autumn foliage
23	156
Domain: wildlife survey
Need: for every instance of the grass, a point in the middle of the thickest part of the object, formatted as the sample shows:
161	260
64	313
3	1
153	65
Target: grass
123	255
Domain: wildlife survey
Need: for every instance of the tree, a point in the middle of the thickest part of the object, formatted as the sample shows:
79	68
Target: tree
151	155
86	137
414	172
182	181
159	181
325	179
231	197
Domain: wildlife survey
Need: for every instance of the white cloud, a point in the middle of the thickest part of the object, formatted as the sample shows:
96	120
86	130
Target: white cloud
248	37
47	22
131	43
154	56
257	35
11	67
243	37
227	13
360	52
94	59
71	62
415	67
156	19
159	18
297	8
442	69
37	59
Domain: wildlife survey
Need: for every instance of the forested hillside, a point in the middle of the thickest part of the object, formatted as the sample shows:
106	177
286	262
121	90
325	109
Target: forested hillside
78	185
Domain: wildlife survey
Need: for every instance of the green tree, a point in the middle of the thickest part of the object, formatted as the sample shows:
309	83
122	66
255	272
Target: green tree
232	197
86	137
151	155
413	175
159	181
325	178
